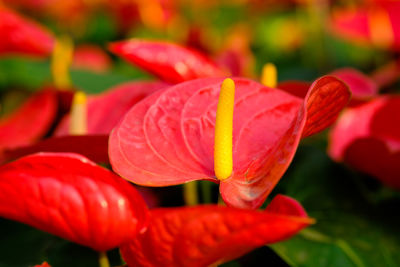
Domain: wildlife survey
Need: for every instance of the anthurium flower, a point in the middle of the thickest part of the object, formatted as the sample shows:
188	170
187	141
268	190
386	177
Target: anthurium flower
23	36
210	235
170	62
377	23
168	138
29	122
92	58
106	109
367	137
69	196
44	264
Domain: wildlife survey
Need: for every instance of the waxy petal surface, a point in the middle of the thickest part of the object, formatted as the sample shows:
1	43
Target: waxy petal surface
23	36
29	122
105	110
206	235
130	154
149	148
162	127
67	195
170	62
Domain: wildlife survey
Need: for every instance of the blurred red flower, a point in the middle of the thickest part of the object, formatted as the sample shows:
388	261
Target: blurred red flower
91	58
376	23
367	137
21	35
168	61
30	122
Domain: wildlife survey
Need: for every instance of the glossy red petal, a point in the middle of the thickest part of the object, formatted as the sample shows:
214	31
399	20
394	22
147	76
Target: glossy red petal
361	86
286	205
69	196
93	147
324	101
168	61
91	58
29	122
206	235
22	35
105	110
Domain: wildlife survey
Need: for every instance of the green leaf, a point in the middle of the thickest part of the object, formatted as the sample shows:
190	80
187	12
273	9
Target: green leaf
22	246
356	220
32	74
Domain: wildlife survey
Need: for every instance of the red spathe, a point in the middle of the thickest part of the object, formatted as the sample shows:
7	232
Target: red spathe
208	235
168	138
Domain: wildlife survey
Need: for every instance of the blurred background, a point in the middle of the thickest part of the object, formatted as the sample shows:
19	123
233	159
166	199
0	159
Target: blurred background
357	216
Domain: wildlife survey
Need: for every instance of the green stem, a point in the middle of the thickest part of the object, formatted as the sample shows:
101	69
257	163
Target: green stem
103	260
221	201
206	191
190	194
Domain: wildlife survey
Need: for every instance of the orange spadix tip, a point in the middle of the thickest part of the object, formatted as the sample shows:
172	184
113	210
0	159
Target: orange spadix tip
223	163
269	76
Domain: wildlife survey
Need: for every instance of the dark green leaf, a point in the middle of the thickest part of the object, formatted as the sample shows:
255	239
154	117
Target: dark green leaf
357	223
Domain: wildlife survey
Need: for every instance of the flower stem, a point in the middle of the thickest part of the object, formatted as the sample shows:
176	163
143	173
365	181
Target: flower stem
61	61
103	260
206	191
190	194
